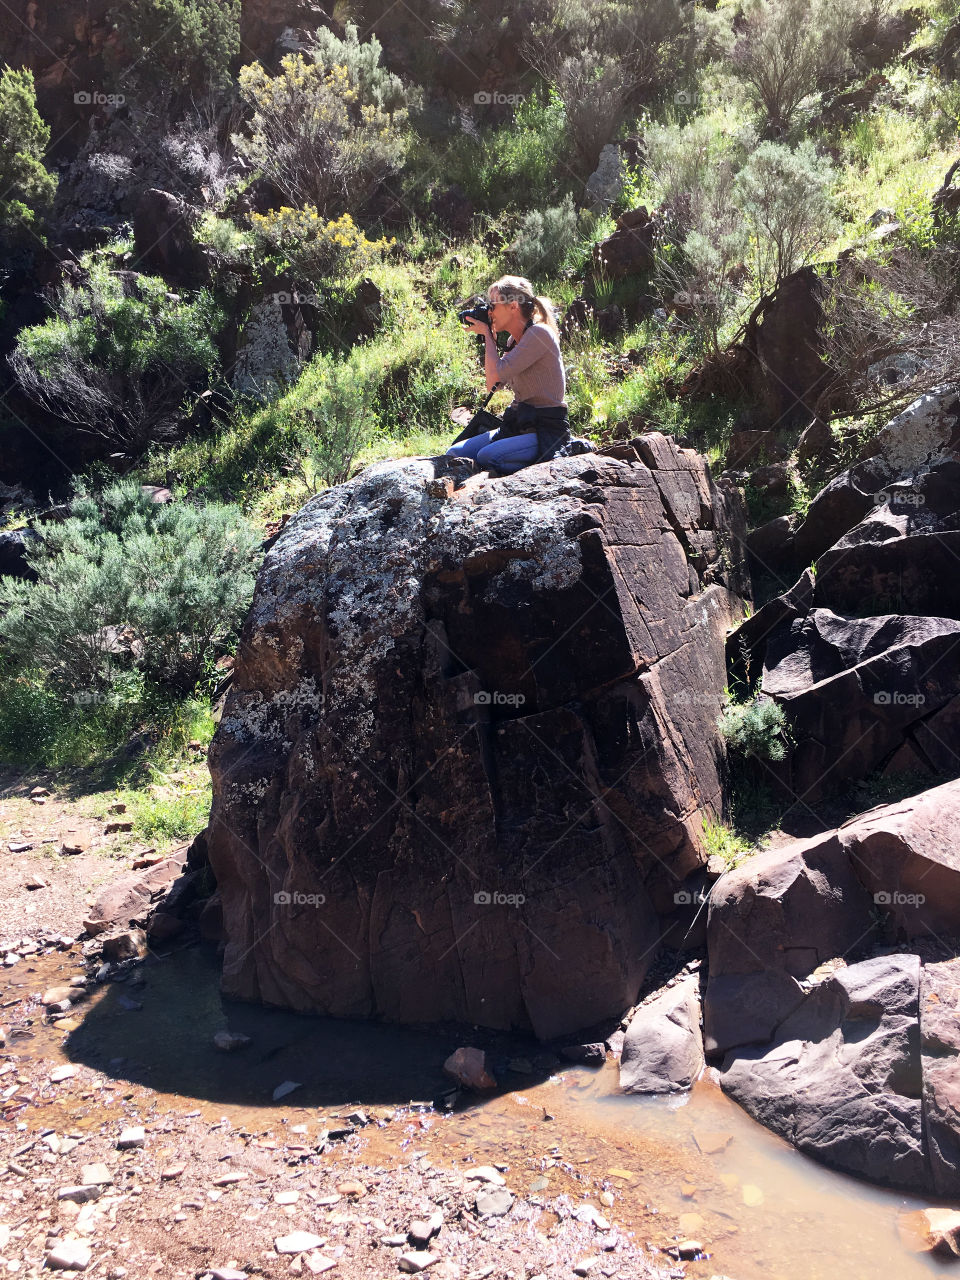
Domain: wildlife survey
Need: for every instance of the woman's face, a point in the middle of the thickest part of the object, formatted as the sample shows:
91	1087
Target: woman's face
500	312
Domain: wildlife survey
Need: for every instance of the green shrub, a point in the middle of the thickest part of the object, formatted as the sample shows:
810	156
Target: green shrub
122	360
127	584
332	432
26	188
329	127
788	49
721	841
545	240
182	43
758	728
171	808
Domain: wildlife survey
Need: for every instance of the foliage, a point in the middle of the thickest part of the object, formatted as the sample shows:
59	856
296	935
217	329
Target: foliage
331	433
187	43
127	584
223	236
171	807
788	49
329	127
601	57
26	188
122	357
314	248
545	239
723	842
758	728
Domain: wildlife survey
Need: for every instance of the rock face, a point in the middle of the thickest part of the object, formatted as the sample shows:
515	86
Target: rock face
461	769
853	1057
663	1047
842	1080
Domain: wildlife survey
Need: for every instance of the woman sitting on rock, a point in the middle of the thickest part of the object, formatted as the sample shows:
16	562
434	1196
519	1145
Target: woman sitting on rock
535	426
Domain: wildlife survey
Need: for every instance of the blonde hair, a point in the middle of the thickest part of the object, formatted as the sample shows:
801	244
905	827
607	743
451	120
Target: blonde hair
533	307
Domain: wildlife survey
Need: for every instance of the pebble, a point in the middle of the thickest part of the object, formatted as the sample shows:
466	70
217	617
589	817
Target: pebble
351	1188
316	1263
298	1242
282	1090
585	1266
485	1173
79	1195
422	1231
415	1261
36	882
71	1255
393	1242
494	1204
228	1179
132	1137
226	1273
689	1250
286	1197
96	1175
172	1171
59	1074
607	1198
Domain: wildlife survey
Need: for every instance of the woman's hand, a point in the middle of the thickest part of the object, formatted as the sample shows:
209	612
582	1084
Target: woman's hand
477	326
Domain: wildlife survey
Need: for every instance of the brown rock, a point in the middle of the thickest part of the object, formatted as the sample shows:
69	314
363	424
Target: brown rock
468	1067
128	897
552	624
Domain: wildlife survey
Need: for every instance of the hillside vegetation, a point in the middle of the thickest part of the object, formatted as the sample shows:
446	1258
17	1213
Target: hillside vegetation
236	276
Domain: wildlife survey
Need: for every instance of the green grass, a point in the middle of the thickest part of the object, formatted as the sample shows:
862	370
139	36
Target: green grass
722	841
172	806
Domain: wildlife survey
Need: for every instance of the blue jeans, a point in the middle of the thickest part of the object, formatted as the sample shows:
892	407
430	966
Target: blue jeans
507	455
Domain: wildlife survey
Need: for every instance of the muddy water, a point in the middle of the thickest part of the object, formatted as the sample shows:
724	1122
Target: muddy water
678	1168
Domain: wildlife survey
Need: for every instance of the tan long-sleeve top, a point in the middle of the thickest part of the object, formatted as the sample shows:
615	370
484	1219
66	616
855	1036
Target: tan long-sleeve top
533	368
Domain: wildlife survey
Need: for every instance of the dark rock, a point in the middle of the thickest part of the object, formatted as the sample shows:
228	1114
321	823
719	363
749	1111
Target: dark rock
842	1080
591	1055
855	689
663	1048
453	210
768	545
14	544
629	251
609	321
747	645
940	1051
576	318
788	374
772	479
460	737
816	442
840	505
367	309
163	239
747	448
772	920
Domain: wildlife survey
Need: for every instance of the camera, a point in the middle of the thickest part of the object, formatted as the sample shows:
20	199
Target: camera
480	312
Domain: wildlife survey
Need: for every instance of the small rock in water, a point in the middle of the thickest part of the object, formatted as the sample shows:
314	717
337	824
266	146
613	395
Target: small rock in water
606	1198
71	1255
230	1041
931	1231
468	1067
689	1250
282	1090
713	1142
132	1137
592	1055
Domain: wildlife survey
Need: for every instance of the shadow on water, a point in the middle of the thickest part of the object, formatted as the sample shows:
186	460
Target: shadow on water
167	1044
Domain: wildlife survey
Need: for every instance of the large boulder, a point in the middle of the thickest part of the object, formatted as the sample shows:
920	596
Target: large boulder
460	772
893	873
842	1080
663	1047
826	1043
